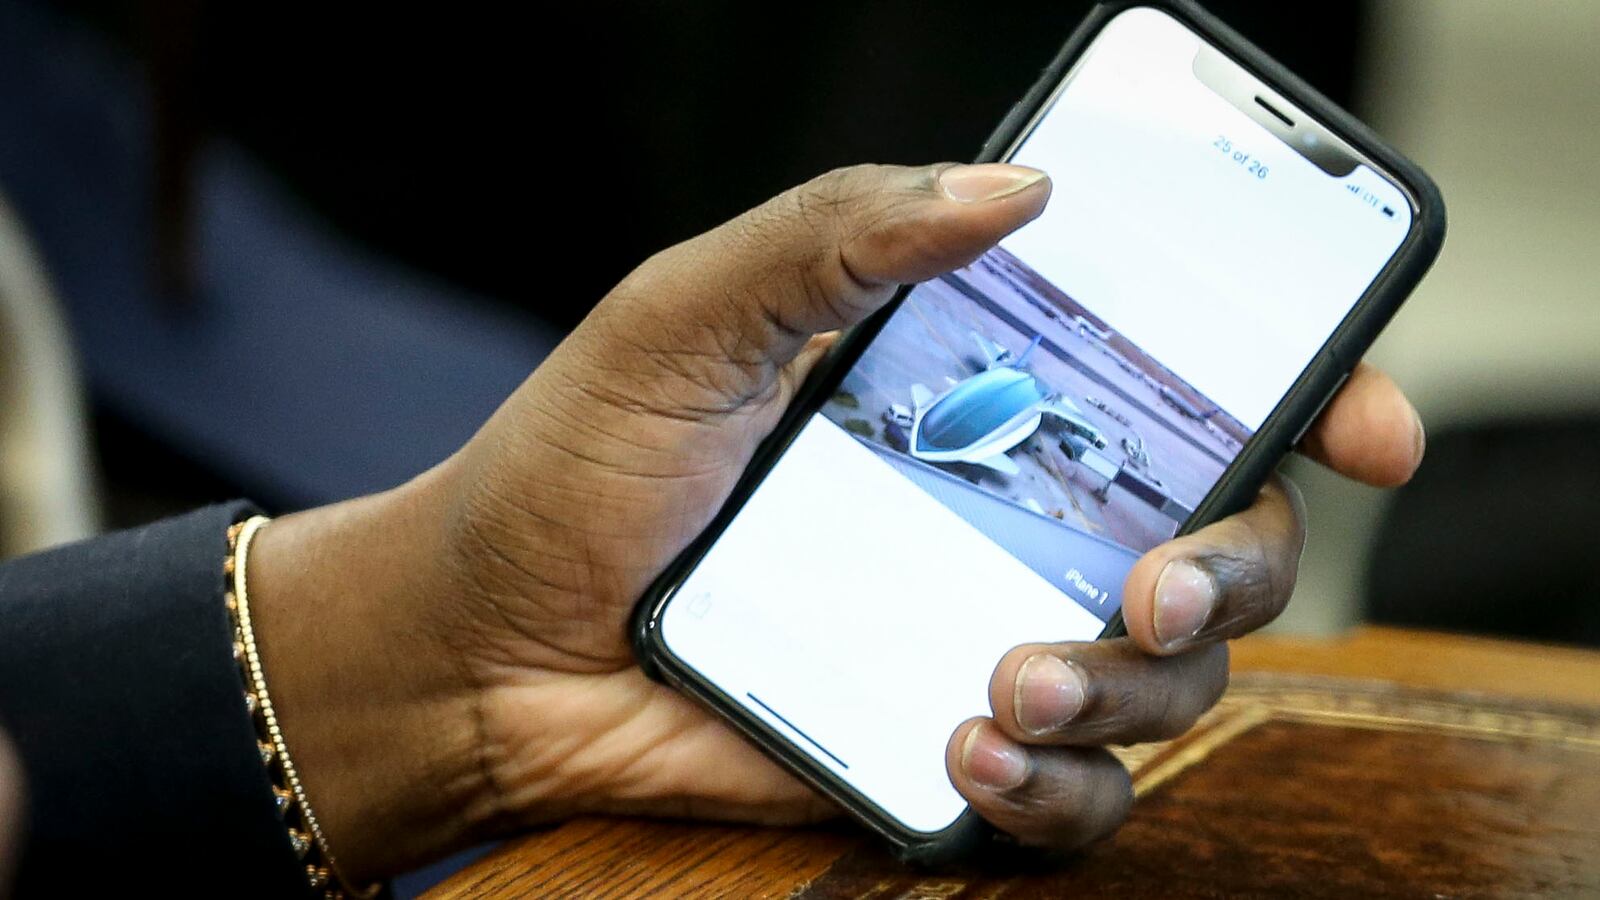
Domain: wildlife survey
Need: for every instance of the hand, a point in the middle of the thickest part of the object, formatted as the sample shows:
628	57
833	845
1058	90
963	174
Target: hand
450	659
1039	768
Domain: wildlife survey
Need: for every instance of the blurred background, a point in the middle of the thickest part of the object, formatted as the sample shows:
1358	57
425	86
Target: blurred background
299	253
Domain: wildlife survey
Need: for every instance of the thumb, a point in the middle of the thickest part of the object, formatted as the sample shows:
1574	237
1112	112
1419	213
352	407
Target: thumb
819	257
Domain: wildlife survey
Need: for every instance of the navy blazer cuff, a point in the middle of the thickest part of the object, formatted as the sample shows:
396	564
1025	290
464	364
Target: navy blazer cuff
119	689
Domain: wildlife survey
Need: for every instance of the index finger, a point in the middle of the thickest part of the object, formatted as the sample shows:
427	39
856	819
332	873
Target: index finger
1220	582
1369	431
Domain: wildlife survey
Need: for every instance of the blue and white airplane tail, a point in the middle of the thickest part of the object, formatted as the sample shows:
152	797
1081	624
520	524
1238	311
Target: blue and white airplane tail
1032	345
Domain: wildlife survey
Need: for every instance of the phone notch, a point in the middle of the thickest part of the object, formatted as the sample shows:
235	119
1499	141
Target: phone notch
1247	93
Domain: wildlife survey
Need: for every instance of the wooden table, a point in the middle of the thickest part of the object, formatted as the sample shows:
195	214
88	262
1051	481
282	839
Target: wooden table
1384	763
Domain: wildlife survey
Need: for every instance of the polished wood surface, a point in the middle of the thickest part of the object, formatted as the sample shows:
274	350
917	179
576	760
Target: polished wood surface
1428	660
1383	763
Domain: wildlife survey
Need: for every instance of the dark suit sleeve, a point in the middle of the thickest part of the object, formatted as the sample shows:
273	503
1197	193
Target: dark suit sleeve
118	686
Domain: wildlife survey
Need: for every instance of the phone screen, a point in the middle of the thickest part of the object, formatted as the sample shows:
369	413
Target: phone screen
1023	429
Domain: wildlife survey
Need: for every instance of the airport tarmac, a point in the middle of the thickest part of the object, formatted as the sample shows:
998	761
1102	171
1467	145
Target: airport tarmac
930	341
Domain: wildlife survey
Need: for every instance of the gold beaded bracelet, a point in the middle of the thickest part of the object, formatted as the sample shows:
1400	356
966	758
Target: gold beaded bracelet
308	841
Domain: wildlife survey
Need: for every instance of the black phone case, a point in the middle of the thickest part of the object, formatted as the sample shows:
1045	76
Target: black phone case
971	835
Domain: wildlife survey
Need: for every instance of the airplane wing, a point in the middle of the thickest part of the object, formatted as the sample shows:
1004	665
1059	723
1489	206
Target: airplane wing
921	397
1073	416
1062	408
1001	463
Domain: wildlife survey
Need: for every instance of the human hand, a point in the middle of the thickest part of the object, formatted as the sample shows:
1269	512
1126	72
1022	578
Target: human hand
1039	768
450	659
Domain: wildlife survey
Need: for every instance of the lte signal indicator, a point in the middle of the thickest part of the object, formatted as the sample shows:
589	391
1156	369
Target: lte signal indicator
1371	199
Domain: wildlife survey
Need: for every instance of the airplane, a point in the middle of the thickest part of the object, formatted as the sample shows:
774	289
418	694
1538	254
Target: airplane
982	417
1177	402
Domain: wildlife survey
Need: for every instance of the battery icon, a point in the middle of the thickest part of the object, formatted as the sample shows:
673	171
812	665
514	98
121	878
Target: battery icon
1388	211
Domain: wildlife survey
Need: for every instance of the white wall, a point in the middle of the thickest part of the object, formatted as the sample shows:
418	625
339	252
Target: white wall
1500	102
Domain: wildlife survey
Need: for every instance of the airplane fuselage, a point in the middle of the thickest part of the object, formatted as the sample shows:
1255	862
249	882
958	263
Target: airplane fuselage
979	418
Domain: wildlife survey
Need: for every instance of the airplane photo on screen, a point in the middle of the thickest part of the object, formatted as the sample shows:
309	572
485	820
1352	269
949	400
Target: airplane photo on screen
1013	403
986	415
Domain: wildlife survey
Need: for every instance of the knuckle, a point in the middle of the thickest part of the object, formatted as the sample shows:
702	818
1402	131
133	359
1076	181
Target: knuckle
833	212
829	201
1251	593
1196	689
1153	700
644	277
1117	704
1082	800
655	278
1180	706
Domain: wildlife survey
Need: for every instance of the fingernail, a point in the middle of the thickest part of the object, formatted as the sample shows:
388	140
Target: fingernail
1049	693
1185	597
1422	435
987	181
992	760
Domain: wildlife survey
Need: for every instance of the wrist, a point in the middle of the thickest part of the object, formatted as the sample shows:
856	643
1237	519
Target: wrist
372	703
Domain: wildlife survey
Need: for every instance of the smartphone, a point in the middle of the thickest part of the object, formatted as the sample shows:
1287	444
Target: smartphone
980	464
